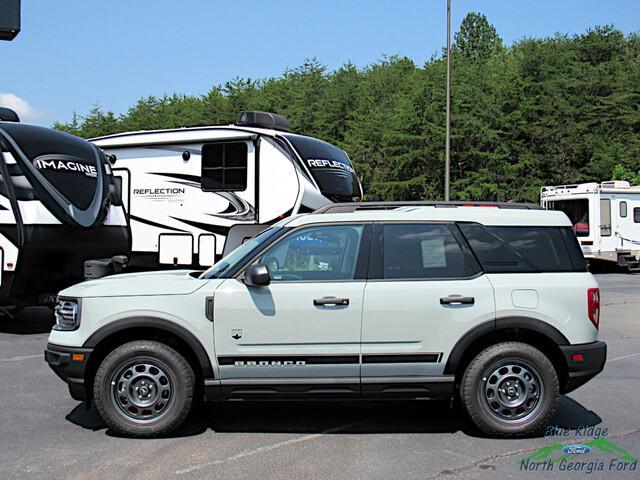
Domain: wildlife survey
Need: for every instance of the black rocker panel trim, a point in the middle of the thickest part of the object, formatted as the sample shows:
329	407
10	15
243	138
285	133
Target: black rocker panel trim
160	324
523	323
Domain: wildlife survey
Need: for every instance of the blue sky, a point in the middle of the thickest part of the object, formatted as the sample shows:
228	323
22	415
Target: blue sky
73	54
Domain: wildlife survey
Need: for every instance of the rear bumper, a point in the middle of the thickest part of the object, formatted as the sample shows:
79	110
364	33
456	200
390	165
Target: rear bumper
582	369
66	363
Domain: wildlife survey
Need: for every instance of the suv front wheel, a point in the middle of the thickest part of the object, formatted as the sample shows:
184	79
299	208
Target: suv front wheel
144	388
510	389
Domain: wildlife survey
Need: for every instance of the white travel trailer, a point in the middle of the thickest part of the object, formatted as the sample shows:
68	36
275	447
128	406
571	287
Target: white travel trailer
605	217
193	193
59	208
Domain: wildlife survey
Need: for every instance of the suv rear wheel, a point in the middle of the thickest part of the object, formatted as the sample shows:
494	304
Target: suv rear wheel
144	388
510	389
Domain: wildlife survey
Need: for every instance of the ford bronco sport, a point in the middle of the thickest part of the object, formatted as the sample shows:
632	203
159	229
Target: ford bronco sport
489	304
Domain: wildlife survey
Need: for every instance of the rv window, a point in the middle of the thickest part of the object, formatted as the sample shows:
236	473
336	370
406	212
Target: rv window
224	167
605	217
623	209
636	215
577	211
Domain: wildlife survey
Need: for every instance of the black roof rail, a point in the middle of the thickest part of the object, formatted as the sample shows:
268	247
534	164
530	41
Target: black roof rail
352	207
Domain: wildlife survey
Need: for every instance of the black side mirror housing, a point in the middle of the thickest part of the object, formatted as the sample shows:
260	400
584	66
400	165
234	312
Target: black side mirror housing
257	276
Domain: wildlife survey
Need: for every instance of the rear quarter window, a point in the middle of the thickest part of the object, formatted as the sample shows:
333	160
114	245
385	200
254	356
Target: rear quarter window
518	249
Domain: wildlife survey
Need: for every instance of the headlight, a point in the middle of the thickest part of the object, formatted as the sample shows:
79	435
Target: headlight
67	313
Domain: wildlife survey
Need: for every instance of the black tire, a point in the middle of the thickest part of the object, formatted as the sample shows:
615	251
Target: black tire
143	389
500	377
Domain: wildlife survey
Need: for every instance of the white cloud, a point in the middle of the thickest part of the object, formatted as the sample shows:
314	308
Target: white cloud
23	108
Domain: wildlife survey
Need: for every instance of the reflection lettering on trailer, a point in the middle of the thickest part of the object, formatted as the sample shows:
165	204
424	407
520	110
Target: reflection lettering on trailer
318	163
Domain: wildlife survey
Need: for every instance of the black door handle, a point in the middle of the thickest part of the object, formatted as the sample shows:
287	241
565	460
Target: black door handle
457	300
331	301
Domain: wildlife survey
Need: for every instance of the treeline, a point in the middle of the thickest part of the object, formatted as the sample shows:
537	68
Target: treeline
545	111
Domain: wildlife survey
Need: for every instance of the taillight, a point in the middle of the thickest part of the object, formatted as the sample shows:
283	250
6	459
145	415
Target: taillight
593	305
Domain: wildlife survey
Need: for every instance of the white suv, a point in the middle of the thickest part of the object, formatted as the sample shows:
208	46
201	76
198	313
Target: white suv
491	304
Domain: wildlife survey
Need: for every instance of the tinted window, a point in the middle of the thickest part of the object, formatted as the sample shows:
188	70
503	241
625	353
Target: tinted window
636	215
224	167
422	251
523	249
315	253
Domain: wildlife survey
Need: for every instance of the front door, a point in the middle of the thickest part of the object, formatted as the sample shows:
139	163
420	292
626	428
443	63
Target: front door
300	335
424	294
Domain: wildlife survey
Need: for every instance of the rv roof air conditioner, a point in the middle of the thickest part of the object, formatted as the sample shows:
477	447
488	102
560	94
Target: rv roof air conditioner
8	115
263	120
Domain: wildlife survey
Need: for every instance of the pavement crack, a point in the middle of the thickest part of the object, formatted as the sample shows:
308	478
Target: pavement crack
458	471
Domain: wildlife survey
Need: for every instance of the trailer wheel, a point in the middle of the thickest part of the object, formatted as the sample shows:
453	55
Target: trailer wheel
144	388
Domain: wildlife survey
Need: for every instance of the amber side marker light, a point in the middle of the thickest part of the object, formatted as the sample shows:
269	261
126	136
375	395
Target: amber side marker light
77	357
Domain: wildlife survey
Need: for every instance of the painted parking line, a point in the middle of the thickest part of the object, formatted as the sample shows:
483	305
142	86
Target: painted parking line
623	357
274	446
21	357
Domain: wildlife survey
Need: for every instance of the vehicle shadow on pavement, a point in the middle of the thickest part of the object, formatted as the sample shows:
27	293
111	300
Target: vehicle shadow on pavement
28	321
335	418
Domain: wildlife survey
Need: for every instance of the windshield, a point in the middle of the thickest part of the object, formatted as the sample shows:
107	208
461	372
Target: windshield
330	167
237	256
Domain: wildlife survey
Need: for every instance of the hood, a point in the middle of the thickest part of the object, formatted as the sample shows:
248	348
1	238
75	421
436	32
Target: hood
173	282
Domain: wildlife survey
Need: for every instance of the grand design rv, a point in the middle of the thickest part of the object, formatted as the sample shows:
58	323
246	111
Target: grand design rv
59	207
193	194
605	217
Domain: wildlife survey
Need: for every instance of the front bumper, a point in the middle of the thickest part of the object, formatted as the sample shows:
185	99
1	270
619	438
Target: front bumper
68	365
584	362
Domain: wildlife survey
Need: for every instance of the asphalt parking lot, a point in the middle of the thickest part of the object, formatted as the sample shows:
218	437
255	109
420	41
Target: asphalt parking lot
44	434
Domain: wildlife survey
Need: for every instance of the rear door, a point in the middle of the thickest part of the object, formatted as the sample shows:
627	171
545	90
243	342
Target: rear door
424	293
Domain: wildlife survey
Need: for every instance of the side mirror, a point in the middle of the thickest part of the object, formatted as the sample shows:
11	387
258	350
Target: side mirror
257	276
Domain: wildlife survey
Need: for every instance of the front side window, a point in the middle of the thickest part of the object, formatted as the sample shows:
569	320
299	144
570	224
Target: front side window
423	251
636	215
224	167
320	253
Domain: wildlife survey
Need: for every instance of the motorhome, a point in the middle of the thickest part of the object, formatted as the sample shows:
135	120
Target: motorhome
192	194
605	217
59	207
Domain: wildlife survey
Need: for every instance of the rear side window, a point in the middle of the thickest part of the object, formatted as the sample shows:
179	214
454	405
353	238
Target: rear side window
524	249
424	251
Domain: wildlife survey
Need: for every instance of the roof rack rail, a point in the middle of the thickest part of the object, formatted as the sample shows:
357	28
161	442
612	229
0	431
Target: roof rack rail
352	207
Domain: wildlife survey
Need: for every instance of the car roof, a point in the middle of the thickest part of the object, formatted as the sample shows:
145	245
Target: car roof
479	214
